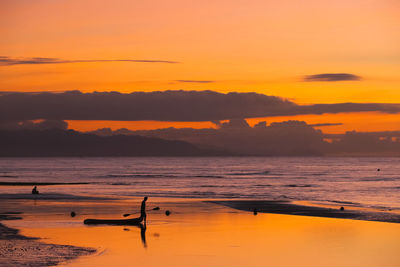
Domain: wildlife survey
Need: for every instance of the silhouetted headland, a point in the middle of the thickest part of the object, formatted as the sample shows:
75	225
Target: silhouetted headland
61	143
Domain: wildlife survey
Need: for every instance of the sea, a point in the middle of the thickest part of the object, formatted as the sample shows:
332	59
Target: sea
365	182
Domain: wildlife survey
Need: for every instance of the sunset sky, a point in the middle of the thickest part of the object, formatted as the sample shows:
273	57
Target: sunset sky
309	52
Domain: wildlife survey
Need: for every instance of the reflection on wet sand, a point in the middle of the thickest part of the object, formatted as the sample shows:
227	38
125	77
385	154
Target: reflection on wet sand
143	229
140	222
143	234
205	234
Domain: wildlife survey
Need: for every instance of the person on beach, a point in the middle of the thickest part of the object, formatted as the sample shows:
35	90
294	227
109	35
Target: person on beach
35	191
143	209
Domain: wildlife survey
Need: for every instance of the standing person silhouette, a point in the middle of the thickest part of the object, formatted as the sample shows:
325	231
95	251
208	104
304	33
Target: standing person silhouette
143	210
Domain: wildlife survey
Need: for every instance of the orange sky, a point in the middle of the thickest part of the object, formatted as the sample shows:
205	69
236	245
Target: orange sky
350	121
246	46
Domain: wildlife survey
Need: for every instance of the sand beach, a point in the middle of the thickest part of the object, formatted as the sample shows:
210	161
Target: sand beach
198	232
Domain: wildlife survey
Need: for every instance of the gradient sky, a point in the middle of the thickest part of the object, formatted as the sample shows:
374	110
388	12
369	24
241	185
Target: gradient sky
222	45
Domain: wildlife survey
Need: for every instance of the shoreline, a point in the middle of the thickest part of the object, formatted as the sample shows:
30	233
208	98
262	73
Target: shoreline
290	208
285	207
50	218
20	250
53	196
35	183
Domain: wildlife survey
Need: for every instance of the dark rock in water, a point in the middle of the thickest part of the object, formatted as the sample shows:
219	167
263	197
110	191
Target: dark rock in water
35	191
255	211
167	212
341	208
156	208
73	214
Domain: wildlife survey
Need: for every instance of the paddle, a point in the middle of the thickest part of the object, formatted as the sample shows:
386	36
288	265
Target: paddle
129	214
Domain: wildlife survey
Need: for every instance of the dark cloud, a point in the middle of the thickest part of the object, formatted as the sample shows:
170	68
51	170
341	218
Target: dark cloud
163	106
35	125
290	138
261	124
363	143
331	77
234	124
325	124
380	134
194	81
349	107
8	61
235	137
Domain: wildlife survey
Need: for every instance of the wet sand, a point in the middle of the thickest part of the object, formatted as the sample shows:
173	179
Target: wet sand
19	250
200	233
51	196
289	208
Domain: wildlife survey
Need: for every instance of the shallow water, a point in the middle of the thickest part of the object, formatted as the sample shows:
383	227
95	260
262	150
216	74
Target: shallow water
205	234
342	181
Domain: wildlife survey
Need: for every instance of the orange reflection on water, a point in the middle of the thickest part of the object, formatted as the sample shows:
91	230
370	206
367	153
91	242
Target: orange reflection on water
233	238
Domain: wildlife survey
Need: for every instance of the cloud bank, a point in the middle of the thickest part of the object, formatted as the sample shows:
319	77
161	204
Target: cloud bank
287	138
163	106
8	61
331	77
294	138
325	124
35	125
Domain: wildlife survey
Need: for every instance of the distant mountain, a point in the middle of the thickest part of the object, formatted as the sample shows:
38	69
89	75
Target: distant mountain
61	143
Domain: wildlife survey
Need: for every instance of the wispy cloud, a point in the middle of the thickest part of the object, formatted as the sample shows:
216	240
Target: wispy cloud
331	77
195	81
8	61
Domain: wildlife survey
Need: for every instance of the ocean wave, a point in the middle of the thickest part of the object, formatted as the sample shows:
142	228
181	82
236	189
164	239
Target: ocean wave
189	194
379	179
344	202
319	174
121	183
299	185
203	193
208	176
221	186
247	173
140	176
